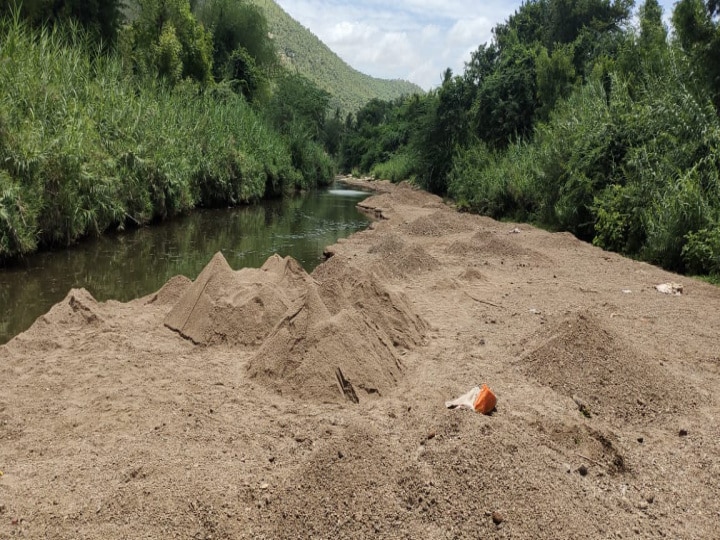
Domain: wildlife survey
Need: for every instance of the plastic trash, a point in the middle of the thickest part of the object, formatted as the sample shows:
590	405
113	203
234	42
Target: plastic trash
478	399
670	288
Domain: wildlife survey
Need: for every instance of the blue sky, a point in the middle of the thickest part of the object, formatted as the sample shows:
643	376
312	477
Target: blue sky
405	39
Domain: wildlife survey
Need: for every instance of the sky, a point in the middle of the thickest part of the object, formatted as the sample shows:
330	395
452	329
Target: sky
415	40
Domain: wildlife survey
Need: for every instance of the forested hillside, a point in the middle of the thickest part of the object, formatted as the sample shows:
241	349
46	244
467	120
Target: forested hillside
303	51
578	116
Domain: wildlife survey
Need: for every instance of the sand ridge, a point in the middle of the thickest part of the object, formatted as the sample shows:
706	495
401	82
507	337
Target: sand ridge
269	403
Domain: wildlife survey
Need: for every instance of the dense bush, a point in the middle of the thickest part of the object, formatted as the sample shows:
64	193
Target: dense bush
84	146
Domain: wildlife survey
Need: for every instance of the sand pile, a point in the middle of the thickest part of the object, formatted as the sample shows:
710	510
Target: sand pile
340	341
344	286
411	260
463	248
472	274
78	314
171	292
580	357
79	308
440	223
401	258
410	195
504	247
389	244
237	307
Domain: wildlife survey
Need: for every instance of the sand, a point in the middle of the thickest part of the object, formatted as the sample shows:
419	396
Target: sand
272	403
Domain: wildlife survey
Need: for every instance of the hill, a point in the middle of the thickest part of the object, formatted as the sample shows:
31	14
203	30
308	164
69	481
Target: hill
304	51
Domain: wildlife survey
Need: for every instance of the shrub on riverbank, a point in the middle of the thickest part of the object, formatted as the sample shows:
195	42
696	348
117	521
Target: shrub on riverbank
84	146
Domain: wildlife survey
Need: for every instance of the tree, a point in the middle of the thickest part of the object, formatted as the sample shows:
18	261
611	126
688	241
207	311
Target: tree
556	77
167	39
698	33
507	99
238	26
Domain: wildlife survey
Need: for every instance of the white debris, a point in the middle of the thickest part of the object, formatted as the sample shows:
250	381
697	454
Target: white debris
670	288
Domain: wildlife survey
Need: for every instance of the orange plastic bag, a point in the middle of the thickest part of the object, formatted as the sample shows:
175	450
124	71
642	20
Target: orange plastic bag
485	401
478	399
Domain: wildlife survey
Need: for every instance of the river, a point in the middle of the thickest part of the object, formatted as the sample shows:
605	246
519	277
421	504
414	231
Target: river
128	265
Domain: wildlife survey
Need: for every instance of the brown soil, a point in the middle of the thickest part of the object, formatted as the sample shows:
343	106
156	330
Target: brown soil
269	403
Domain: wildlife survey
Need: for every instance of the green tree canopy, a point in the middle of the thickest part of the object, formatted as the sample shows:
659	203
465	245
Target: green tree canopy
237	26
167	39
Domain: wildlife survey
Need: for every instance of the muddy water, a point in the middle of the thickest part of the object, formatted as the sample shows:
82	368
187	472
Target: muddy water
133	264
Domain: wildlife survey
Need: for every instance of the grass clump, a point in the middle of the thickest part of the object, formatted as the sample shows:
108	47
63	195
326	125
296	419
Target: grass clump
396	169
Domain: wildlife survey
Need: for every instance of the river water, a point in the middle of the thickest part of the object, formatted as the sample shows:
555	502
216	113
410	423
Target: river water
133	264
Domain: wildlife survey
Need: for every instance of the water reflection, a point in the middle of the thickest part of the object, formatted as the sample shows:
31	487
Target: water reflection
126	266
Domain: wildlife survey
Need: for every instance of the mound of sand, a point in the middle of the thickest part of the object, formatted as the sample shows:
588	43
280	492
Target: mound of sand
171	292
501	246
413	259
340	340
472	274
463	248
413	196
344	286
389	244
237	307
79	308
401	258
440	223
581	357
78	314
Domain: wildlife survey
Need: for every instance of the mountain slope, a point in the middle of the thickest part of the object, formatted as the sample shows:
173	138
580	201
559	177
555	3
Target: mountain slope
302	50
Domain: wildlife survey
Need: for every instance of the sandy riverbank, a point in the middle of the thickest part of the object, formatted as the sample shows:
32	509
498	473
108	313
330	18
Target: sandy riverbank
275	404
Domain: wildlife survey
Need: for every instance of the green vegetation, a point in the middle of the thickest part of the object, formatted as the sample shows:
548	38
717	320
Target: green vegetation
304	53
577	120
143	128
101	18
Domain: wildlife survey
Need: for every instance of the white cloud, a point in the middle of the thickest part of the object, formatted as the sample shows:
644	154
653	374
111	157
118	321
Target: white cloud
467	31
405	39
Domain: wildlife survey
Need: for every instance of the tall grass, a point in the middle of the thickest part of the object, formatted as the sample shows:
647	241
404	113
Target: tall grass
398	168
84	146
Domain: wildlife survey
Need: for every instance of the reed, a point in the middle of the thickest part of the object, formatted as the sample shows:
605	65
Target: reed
85	146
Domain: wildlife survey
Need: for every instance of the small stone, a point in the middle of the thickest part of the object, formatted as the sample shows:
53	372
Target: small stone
683	432
583	470
271	459
497	517
643	505
650	498
482	341
640	440
264	486
340	454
